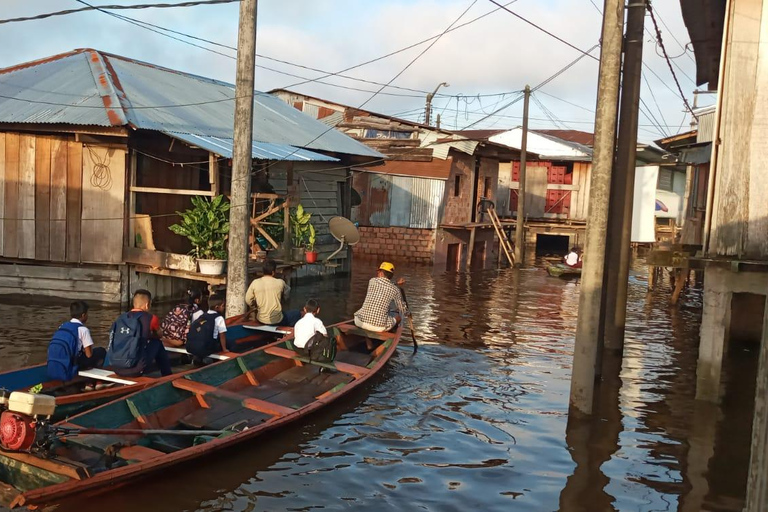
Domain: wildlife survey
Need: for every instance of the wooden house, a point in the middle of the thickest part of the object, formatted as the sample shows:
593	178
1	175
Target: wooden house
421	205
98	152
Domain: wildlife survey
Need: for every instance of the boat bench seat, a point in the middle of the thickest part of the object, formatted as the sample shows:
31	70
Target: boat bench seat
219	357
357	371
106	375
269	328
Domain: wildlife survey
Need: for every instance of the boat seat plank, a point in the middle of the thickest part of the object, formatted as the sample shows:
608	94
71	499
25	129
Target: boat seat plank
357	371
219	357
139	453
267	328
250	403
107	375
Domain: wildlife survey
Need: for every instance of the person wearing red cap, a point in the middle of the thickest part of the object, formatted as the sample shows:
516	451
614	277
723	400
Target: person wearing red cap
375	313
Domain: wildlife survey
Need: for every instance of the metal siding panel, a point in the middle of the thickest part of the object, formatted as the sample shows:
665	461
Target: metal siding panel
378	203
427	196
400	201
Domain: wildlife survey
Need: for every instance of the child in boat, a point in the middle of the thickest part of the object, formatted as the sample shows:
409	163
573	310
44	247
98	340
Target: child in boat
310	336
71	348
134	340
175	324
208	332
573	258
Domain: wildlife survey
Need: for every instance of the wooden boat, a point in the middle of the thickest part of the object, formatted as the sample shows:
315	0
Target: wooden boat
563	270
188	416
74	397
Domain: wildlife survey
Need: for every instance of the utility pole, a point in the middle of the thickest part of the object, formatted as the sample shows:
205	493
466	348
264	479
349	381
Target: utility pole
242	158
520	222
623	184
588	324
430	96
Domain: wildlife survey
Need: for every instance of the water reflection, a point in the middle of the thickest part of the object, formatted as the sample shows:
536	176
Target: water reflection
478	420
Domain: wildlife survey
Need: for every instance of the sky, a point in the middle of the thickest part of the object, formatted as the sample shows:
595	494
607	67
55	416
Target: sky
486	63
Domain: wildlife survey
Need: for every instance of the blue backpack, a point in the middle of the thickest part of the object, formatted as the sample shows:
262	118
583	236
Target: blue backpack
63	351
125	341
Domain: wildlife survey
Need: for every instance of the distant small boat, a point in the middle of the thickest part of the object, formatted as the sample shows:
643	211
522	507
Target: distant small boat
72	397
183	418
563	270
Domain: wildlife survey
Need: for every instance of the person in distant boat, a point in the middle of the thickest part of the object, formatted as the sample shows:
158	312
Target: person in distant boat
573	258
71	348
134	340
310	337
175	324
266	294
375	314
208	332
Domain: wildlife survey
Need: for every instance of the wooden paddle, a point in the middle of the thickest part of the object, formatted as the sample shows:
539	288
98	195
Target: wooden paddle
410	321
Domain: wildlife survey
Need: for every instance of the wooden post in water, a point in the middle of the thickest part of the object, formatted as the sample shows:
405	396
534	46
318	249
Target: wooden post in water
757	483
588	324
623	181
520	223
242	158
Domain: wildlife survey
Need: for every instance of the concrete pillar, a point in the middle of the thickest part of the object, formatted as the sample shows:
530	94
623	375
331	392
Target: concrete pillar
715	324
757	484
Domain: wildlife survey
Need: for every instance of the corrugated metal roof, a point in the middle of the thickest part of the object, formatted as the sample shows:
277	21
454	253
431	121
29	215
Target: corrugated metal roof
65	89
262	150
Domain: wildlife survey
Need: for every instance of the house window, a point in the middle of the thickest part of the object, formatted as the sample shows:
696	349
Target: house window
665	180
386	134
487	188
457	185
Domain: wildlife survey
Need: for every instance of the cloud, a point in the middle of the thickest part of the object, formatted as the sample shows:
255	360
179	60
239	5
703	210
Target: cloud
497	53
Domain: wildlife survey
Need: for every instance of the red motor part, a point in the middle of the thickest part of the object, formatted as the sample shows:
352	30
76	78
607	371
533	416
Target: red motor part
17	431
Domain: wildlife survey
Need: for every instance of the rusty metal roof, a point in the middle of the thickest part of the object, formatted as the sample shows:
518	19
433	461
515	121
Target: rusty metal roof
88	87
263	150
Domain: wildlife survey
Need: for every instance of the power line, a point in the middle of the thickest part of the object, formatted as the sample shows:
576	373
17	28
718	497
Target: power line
672	34
544	30
116	7
669	63
653	96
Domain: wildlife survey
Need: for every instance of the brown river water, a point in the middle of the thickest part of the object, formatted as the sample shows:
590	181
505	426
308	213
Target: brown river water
477	420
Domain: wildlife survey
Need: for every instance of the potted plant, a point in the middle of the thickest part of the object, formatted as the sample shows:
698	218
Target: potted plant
299	231
311	253
206	226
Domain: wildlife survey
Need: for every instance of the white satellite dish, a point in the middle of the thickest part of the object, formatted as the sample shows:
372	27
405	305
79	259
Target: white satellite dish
344	231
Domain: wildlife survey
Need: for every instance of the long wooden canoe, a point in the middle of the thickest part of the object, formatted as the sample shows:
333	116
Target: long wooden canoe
226	403
72	397
563	270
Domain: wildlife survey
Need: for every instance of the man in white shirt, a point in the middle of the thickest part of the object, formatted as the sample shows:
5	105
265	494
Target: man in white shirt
308	325
573	258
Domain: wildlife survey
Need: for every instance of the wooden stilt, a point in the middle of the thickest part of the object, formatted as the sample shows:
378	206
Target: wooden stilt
471	247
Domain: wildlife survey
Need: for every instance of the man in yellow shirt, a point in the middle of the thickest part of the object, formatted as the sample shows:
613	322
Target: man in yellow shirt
267	294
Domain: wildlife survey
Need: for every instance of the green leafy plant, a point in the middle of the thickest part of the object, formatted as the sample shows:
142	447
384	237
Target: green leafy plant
206	226
300	226
311	239
276	230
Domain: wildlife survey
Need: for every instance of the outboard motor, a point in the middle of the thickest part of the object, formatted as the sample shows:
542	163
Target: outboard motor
24	419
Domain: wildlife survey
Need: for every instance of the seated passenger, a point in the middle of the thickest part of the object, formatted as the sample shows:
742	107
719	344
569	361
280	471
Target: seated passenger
375	314
71	348
208	332
134	340
175	324
573	258
266	295
310	336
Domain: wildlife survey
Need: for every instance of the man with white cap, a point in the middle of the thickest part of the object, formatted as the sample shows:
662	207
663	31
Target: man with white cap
375	314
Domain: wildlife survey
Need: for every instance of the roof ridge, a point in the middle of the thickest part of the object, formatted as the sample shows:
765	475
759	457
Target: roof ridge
44	60
109	88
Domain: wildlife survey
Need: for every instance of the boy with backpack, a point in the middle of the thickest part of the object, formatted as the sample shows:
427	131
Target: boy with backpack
310	336
208	332
175	324
71	348
134	340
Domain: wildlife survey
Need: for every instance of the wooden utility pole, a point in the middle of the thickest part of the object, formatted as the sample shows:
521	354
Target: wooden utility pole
520	223
588	324
242	158
623	183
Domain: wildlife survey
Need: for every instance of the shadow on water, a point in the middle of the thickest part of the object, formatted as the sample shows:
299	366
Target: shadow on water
477	420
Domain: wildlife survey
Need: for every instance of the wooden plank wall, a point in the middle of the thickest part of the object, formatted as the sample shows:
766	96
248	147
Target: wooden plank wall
580	196
42	201
99	284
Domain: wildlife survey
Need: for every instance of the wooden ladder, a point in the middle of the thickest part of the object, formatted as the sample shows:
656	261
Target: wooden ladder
503	239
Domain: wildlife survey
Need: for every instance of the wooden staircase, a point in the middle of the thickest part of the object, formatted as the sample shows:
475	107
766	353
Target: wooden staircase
504	242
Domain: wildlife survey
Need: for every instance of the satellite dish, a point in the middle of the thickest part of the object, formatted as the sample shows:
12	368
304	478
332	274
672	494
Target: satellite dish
344	231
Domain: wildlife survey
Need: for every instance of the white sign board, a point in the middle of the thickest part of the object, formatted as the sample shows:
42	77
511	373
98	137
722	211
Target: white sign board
644	207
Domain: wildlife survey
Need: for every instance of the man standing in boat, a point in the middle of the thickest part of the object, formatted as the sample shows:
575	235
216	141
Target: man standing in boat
376	314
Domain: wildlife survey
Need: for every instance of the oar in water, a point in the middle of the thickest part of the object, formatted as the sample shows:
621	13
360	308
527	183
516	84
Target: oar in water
410	321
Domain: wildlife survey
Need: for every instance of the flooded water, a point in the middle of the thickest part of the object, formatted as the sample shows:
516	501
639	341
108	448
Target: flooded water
478	418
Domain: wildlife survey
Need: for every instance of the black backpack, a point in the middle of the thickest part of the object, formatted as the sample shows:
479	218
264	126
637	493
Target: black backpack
126	341
200	341
321	349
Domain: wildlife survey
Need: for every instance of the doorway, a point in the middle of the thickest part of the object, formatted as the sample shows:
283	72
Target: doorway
552	245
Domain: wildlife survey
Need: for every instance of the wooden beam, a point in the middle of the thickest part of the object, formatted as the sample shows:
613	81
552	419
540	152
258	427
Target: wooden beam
171	191
213	174
159	259
471	248
133	159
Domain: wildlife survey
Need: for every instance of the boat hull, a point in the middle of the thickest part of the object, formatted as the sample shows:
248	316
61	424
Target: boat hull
564	271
